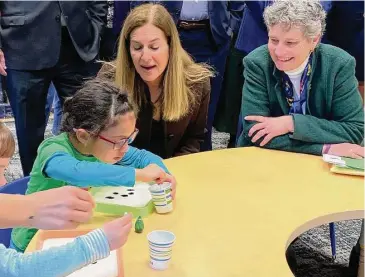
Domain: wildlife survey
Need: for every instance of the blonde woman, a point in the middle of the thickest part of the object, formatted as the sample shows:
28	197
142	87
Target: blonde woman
169	88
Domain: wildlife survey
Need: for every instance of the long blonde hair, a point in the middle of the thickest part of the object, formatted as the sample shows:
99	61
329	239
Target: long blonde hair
181	76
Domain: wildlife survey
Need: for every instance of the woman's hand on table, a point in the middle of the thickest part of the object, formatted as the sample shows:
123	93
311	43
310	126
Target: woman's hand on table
347	150
117	231
269	127
59	208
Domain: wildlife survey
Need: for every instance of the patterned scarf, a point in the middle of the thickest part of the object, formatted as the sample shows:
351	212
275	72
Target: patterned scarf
297	105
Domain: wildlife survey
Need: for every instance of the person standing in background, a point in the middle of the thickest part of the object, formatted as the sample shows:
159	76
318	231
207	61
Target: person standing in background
43	42
53	102
345	29
108	43
213	24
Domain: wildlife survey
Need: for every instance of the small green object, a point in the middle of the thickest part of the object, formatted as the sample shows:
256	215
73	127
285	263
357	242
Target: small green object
139	226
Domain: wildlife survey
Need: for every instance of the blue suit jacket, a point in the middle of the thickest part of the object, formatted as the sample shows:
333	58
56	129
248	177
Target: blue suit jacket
225	16
34	27
345	29
253	32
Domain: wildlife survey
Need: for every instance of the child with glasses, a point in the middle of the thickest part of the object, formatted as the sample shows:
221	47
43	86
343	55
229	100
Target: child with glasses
48	211
92	150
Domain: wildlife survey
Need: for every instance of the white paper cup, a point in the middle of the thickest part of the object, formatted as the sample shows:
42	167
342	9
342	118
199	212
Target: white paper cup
160	248
161	197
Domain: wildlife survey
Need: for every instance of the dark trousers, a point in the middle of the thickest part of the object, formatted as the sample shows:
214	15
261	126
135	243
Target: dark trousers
28	91
229	107
108	45
200	44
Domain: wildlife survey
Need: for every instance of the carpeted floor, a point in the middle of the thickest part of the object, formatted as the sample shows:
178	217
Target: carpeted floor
313	250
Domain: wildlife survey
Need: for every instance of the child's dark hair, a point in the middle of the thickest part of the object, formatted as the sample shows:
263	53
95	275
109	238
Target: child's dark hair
95	107
7	142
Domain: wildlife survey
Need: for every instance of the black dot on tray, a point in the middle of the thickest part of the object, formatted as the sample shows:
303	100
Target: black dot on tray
131	193
109	197
124	195
115	193
94	262
130	189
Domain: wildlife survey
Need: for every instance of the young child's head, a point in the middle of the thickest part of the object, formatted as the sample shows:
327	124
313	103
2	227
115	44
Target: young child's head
7	148
101	120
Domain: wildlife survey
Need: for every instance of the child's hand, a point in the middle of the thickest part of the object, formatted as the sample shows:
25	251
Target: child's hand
151	173
60	208
117	231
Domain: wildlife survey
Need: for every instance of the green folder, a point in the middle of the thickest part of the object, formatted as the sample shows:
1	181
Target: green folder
354	163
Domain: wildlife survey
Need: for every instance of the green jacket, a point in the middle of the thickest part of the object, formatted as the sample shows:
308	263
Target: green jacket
334	112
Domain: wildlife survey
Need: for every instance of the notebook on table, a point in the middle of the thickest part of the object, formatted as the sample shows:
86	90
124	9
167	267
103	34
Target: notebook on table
343	165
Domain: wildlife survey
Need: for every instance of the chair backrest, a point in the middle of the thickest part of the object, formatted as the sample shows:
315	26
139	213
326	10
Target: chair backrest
16	187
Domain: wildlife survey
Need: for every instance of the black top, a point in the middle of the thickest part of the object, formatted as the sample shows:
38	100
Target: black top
157	143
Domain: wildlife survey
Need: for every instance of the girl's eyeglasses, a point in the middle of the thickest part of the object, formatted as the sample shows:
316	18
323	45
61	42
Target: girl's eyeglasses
119	144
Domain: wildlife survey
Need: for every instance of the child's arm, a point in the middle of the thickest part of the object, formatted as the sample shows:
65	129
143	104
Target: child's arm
62	166
57	261
141	158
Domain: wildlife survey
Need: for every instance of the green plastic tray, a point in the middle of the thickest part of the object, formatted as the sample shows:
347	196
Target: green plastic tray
116	209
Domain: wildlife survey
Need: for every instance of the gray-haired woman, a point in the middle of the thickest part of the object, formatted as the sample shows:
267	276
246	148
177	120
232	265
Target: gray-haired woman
301	95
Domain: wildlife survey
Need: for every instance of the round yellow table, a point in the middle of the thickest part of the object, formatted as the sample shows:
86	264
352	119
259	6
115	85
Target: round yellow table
237	211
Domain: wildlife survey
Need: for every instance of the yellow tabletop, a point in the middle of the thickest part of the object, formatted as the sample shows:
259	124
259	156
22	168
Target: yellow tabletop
237	210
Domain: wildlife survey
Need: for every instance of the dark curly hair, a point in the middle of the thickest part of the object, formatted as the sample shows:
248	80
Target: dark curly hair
95	107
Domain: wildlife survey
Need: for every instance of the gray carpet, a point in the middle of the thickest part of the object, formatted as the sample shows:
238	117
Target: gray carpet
313	250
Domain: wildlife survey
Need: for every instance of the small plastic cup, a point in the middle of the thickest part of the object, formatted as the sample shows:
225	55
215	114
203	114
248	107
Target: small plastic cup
161	197
160	248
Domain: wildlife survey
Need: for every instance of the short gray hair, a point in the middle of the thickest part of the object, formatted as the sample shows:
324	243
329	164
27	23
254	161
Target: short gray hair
308	15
